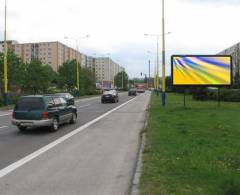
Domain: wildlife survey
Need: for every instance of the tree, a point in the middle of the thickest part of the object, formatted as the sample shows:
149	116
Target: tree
67	76
87	81
39	77
16	70
121	80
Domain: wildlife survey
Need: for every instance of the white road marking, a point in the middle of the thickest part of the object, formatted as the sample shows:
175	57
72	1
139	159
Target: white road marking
84	106
2	127
44	149
87	99
6	114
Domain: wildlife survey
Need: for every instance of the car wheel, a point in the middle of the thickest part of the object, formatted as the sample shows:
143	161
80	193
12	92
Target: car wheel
102	102
55	125
74	118
20	128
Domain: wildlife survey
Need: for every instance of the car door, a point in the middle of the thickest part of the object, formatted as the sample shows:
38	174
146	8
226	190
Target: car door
51	108
60	108
66	110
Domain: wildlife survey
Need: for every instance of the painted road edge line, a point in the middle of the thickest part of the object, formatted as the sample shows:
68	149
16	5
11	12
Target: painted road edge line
6	114
2	127
21	162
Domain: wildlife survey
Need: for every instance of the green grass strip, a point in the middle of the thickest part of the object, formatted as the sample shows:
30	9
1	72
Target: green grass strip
193	150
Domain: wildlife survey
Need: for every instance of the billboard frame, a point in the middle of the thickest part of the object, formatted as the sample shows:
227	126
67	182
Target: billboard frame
203	85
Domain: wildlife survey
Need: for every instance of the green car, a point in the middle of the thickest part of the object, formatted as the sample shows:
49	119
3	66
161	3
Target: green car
42	111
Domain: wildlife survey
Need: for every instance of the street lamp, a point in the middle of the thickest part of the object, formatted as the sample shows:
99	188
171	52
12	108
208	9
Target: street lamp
154	75
5	96
157	71
163	58
76	40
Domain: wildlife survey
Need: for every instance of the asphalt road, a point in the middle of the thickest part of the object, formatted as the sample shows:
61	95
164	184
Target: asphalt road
98	158
15	145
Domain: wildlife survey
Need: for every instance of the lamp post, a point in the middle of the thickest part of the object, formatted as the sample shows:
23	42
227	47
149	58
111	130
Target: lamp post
122	80
122	75
163	58
157	68
149	69
154	75
76	56
5	96
163	68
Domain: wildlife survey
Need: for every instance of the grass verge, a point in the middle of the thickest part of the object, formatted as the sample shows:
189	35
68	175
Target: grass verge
193	150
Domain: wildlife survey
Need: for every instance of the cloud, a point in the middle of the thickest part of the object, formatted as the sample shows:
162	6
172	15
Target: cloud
219	2
117	26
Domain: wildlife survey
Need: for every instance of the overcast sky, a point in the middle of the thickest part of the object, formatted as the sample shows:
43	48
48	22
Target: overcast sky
117	26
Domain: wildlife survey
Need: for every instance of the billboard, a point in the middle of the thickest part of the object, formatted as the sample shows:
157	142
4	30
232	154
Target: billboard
201	70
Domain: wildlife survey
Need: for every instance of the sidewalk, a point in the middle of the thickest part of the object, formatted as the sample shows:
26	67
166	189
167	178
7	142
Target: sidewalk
99	160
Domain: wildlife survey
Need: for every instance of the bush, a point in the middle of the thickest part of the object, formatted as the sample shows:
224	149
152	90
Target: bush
200	94
227	95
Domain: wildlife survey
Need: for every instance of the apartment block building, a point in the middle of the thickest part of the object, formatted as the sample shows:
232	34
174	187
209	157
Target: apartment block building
56	53
52	53
106	69
234	51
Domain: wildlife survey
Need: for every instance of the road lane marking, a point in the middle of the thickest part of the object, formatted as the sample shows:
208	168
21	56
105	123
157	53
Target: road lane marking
87	99
44	149
84	106
2	127
6	114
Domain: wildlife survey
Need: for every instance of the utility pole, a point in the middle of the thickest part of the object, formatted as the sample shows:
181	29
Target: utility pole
163	58
78	87
76	56
5	97
122	80
149	66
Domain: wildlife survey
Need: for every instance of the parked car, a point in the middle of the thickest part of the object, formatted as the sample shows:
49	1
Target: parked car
110	96
132	91
67	96
42	111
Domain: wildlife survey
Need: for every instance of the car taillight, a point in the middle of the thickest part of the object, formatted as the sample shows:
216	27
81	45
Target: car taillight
13	115
45	115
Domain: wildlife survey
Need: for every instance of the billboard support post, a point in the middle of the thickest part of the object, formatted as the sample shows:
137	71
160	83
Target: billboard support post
219	100
184	98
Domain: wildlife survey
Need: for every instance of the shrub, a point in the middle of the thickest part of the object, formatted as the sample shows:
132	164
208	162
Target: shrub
200	93
227	95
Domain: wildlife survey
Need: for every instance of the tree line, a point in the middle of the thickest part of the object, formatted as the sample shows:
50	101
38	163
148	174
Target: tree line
38	78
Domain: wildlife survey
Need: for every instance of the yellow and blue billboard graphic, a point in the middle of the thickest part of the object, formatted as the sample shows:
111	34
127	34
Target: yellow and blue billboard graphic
201	70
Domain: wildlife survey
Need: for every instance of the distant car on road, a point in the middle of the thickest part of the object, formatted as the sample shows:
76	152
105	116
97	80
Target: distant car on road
140	88
67	96
42	111
132	91
110	96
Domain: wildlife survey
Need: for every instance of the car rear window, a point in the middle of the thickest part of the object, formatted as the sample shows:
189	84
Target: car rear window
30	104
108	92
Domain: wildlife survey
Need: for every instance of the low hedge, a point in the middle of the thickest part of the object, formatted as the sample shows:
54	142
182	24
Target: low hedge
227	95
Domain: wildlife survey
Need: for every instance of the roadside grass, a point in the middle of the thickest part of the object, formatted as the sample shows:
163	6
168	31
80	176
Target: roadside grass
193	150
